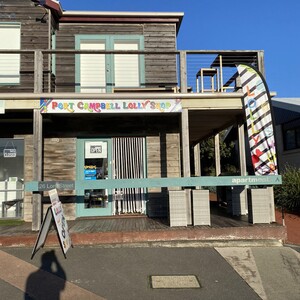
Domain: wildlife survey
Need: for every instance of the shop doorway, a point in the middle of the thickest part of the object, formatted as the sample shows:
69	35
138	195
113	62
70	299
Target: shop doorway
101	159
129	163
93	163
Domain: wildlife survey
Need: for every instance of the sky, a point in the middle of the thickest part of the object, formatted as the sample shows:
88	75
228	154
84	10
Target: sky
269	25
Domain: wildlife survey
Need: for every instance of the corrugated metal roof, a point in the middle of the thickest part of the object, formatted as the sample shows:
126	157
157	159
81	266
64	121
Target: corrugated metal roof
285	109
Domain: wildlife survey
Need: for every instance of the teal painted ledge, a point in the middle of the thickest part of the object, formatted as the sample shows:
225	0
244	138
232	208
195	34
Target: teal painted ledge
35	186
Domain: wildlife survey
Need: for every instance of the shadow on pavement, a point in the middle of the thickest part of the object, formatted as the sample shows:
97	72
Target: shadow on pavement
41	285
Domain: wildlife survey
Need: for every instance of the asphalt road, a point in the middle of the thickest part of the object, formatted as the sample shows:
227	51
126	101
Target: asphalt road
127	273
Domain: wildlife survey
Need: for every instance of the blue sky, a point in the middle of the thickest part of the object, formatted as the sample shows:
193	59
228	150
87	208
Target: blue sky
269	25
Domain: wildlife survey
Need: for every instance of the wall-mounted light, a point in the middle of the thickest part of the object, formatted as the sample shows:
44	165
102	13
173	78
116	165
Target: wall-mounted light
42	19
39	3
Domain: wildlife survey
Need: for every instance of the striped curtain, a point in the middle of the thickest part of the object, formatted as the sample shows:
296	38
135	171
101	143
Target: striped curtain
128	162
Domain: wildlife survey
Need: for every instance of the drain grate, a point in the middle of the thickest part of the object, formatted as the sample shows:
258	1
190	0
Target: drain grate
174	282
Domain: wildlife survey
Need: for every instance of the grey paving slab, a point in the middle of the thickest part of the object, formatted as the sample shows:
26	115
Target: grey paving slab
243	262
279	269
8	291
46	283
124	273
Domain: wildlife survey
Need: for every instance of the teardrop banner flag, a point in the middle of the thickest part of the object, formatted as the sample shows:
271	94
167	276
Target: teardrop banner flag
259	121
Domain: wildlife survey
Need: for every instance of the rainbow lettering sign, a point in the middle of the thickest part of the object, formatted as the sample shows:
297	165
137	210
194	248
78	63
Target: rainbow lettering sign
110	106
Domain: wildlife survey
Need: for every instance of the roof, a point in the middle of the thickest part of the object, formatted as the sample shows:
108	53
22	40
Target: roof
285	109
112	17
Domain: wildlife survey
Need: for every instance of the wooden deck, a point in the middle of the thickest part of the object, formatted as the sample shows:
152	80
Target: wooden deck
132	223
142	230
137	223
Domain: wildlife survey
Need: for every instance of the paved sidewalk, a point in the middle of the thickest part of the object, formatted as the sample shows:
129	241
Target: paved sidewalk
126	272
274	273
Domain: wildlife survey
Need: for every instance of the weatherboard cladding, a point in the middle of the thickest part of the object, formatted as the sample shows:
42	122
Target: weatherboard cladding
34	35
163	140
160	69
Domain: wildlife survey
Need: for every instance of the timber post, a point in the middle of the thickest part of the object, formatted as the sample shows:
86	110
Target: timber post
184	118
217	154
37	142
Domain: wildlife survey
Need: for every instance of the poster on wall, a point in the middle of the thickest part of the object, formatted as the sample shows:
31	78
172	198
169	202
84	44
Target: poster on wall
95	149
259	121
56	216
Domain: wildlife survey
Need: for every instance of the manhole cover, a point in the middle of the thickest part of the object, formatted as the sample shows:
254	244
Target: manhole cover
175	282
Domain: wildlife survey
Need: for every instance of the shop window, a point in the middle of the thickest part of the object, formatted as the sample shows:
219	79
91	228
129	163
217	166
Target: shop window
10	39
96	168
11	177
291	138
100	73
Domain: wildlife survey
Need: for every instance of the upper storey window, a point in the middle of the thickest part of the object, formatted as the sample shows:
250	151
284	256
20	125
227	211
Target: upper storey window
10	39
100	73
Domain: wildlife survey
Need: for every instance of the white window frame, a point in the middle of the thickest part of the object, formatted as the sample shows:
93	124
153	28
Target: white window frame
134	80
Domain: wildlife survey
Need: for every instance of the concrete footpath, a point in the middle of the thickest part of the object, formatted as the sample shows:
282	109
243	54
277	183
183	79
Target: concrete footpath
146	272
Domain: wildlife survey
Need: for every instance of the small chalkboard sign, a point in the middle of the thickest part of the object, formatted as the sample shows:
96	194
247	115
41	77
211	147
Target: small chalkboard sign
55	216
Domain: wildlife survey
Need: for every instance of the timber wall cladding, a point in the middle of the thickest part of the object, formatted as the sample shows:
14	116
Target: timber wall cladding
163	160
60	160
60	164
34	35
160	70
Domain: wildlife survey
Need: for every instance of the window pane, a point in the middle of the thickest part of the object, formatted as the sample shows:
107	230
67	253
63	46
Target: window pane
298	137
92	68
290	141
95	168
10	63
11	177
126	65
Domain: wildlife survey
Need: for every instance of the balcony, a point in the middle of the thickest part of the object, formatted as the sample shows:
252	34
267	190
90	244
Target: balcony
76	71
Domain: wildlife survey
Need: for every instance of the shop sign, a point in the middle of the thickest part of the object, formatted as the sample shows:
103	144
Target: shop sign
9	150
61	225
9	153
60	185
90	174
110	106
95	149
261	137
54	213
90	177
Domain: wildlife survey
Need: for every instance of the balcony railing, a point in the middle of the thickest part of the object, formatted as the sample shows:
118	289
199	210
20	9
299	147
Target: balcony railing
61	71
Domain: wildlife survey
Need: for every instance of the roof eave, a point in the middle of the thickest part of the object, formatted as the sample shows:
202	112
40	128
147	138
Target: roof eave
121	17
54	6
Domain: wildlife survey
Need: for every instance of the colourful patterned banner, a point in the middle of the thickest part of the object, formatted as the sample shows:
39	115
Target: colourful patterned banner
259	121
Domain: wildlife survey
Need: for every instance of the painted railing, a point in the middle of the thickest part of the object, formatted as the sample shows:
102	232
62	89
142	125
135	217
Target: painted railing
195	70
186	182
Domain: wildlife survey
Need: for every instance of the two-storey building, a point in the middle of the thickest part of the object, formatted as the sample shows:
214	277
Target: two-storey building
89	99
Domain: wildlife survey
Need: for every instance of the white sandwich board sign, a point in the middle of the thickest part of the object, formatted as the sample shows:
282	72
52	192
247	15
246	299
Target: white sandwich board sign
54	213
